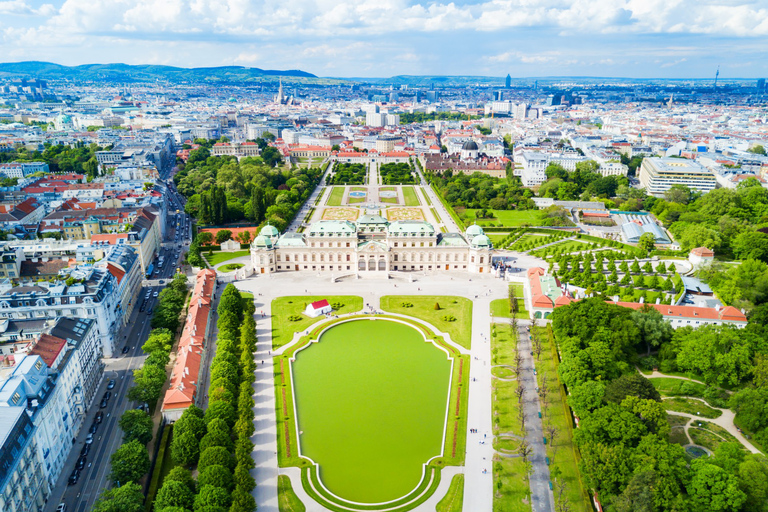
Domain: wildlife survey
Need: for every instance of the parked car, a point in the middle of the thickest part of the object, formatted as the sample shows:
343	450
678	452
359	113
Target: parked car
85	450
107	395
103	404
111	384
99	417
156	294
62	507
81	462
89	439
125	349
93	428
74	477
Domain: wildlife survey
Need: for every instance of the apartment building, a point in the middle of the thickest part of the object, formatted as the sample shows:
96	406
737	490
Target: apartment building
23	488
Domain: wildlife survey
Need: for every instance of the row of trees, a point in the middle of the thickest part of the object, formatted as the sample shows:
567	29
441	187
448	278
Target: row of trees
585	182
170	303
222	189
623	433
217	442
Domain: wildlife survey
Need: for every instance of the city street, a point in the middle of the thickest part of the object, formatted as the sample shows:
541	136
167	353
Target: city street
94	477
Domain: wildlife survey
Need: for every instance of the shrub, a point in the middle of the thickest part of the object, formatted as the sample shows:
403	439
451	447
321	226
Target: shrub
337	305
437	306
294	318
449	318
406	304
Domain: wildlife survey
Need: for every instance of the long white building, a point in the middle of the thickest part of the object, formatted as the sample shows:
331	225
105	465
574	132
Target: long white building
658	175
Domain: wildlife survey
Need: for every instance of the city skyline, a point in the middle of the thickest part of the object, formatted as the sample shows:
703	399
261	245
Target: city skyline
380	39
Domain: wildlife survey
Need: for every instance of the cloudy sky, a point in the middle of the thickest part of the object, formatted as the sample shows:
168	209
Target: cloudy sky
377	38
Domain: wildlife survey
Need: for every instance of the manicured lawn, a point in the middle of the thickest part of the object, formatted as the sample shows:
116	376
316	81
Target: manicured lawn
354	200
500	307
558	414
511	218
229	267
387	189
411	199
283	307
677	387
372	398
563	247
531	241
690	406
454	498
217	257
287	501
423	307
337	194
392	200
705	438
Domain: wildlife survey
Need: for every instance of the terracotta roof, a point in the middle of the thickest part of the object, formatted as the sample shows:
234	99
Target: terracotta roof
48	347
320	304
703	252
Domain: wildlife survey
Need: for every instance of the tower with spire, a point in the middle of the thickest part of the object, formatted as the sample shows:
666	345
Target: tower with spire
280	98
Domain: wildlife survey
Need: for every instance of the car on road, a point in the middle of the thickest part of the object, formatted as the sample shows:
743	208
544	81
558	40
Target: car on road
111	384
156	294
85	450
99	417
74	477
93	428
81	462
103	404
107	395
150	312
89	439
126	349
162	282
62	507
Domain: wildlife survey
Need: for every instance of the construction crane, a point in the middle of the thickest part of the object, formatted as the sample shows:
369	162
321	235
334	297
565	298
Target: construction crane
717	74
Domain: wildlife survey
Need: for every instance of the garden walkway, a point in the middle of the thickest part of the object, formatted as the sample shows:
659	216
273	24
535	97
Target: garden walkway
725	420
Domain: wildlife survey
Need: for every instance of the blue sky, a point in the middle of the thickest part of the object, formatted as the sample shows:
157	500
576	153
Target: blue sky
378	38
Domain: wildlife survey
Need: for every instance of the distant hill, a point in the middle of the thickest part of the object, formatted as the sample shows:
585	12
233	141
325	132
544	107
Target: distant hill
150	73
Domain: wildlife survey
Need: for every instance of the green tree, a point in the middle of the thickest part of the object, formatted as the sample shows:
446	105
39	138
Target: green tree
136	424
126	498
174	494
222	410
217	476
654	329
753	481
757	149
223	235
722	354
242	501
751	407
711	488
129	463
185	448
647	242
632	384
210	496
148	382
216	455
243	478
751	245
204	238
191	420
183	475
586	397
216	438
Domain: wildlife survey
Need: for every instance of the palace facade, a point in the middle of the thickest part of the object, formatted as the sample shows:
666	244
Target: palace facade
371	247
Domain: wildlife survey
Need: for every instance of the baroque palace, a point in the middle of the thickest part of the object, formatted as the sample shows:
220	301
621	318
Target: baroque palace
371	247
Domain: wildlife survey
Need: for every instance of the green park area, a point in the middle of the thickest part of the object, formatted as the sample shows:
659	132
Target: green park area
452	315
500	307
337	194
410	197
379	416
287	501
288	314
216	257
454	498
510	218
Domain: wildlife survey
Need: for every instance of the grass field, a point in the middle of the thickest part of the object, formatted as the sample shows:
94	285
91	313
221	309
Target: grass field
287	501
410	197
668	386
500	307
392	200
220	257
564	247
371	450
454	498
337	194
705	438
563	456
283	307
423	307
511	218
531	240
690	406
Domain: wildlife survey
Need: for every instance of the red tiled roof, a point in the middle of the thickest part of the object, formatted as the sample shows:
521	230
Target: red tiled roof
320	304
48	347
703	252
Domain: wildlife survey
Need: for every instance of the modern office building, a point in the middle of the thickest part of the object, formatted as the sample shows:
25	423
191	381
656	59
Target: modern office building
658	175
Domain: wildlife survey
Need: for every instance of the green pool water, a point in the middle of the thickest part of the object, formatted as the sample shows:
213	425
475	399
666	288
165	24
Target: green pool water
371	401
